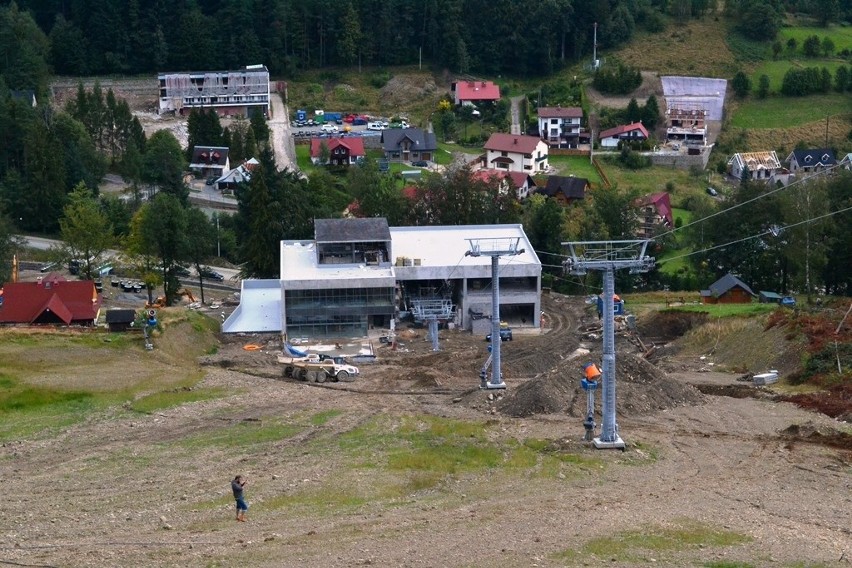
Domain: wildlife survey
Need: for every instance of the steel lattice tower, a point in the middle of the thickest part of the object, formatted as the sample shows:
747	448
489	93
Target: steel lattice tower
495	248
608	256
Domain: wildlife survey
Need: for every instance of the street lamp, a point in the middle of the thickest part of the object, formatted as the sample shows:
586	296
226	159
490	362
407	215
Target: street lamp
218	248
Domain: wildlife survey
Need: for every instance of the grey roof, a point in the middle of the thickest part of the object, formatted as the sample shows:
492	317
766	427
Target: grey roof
351	230
772	295
120	316
421	140
724	284
817	156
570	187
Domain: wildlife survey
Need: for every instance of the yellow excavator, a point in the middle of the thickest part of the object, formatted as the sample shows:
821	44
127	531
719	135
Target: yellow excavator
160	302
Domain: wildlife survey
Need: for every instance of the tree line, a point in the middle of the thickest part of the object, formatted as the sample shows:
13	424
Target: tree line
536	37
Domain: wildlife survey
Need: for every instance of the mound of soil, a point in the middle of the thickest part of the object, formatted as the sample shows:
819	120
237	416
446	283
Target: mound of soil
815	434
402	89
669	325
640	388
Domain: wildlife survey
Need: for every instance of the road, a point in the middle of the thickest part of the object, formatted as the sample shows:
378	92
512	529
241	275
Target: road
232	276
282	142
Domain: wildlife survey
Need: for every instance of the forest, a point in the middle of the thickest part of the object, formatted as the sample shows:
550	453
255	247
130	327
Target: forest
91	37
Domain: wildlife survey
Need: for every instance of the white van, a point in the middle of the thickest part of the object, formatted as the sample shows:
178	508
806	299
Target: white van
375	125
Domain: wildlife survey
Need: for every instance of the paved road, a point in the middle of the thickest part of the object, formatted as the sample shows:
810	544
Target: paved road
231	275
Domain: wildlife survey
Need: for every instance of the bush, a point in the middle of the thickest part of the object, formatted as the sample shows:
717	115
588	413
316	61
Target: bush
802	82
380	78
631	160
619	81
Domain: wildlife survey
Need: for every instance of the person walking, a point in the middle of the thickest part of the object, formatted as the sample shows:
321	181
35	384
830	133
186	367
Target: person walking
237	486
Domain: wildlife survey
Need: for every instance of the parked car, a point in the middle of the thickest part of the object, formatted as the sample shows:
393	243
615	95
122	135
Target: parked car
789	301
711	191
420	164
210	181
330	128
181	271
210	274
505	335
376	125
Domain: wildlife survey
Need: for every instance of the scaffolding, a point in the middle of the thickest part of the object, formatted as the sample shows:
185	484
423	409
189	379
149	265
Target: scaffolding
245	87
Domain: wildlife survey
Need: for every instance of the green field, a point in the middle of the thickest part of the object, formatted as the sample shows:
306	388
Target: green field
841	36
679	183
784	112
576	166
775	70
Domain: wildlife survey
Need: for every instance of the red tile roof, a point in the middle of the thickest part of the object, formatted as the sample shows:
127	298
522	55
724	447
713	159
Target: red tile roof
518	178
355	145
560	112
50	301
477	91
502	142
623	129
663	204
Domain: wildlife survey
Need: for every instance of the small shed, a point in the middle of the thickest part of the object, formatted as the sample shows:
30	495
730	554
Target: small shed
727	290
120	319
768	297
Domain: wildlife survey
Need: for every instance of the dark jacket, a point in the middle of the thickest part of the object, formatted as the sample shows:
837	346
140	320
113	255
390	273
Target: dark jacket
237	488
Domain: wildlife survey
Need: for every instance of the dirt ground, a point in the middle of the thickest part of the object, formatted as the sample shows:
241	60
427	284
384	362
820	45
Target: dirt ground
703	450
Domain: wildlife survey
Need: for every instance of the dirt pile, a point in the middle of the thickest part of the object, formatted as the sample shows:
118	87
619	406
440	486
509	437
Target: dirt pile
669	325
402	89
641	388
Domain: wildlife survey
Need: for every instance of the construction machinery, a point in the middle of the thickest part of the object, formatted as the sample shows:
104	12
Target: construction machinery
315	368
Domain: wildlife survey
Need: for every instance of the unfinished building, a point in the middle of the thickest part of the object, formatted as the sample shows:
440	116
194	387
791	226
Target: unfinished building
230	93
686	123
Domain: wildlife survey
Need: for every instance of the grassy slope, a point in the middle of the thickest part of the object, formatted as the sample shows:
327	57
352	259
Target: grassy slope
109	369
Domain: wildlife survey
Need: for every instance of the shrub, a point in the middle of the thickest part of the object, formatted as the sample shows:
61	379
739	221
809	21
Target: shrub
620	80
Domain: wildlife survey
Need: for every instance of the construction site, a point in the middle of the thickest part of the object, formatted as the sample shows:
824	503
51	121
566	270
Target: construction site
229	93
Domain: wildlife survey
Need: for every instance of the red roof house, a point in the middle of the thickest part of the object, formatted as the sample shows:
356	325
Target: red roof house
516	153
472	92
655	209
522	183
53	300
341	151
611	137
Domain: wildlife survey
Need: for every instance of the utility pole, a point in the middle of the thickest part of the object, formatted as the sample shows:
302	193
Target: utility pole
608	256
495	248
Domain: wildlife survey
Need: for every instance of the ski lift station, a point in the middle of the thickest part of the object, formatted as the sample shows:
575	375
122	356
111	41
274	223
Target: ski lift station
361	274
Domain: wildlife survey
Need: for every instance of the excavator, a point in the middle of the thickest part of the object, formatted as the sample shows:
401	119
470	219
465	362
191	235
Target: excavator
160	302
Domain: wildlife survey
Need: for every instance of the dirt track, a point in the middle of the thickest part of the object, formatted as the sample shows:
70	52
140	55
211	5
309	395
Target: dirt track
134	491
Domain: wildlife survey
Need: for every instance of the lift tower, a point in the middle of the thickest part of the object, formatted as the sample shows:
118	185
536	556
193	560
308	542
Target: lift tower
495	248
608	256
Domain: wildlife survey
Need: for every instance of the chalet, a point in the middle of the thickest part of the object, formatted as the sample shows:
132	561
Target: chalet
520	183
475	92
686	124
560	127
120	319
565	189
761	166
409	145
727	290
210	161
516	153
630	132
341	151
240	174
811	161
655	210
53	300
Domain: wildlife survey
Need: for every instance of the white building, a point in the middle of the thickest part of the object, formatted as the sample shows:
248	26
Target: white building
358	274
516	153
560	126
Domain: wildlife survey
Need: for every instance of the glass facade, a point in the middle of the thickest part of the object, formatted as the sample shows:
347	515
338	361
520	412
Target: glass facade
340	311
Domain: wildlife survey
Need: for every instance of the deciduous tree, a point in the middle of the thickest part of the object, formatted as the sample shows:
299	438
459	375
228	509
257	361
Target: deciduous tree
85	230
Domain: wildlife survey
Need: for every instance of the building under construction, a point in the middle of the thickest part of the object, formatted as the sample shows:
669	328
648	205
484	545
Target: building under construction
231	93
